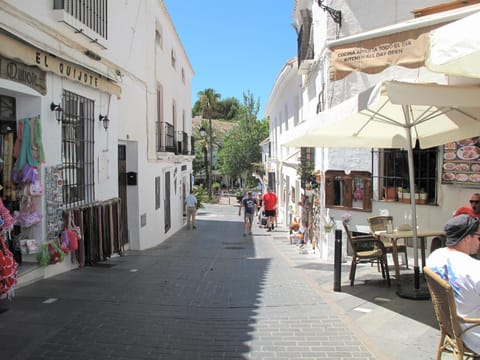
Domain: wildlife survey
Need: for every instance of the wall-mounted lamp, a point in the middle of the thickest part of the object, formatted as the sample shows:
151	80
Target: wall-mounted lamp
93	55
58	111
105	120
202	132
335	14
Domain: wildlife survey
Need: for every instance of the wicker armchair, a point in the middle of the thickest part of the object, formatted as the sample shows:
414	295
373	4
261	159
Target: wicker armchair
379	223
449	322
366	249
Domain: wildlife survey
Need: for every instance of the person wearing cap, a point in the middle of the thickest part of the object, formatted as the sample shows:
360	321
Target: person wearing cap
455	264
249	204
270	206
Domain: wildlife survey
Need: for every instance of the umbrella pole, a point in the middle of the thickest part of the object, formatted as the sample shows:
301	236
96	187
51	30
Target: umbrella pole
416	292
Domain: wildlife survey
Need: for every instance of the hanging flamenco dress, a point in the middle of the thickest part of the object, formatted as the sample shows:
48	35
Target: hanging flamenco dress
8	271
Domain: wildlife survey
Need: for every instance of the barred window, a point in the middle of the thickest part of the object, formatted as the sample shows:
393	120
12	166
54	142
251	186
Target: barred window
78	150
393	173
307	164
91	13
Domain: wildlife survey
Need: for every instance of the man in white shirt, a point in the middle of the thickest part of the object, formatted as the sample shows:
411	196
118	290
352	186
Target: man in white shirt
191	204
455	264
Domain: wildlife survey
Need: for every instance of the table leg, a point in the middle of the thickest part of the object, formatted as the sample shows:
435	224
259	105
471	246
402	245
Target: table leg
395	259
422	247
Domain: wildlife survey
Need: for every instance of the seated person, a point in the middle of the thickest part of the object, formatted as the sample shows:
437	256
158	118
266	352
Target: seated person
297	232
294	225
454	264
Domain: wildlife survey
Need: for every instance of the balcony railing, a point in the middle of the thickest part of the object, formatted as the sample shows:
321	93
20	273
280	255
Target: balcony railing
182	144
179	144
91	13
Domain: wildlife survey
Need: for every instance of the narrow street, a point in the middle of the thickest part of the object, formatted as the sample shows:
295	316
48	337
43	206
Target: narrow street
208	293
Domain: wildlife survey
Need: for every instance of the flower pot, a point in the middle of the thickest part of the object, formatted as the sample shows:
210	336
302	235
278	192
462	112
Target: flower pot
389	193
400	196
420	198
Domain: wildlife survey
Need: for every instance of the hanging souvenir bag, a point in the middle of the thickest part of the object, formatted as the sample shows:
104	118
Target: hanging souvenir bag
8	270
56	253
36	188
71	232
65	242
77	232
28	214
44	257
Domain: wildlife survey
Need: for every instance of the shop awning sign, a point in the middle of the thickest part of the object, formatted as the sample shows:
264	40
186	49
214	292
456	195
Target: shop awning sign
371	56
30	76
22	52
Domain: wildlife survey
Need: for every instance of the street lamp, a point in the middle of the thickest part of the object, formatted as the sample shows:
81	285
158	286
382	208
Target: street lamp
203	134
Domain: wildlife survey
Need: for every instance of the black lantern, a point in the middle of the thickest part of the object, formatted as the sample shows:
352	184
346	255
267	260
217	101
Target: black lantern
105	120
58	111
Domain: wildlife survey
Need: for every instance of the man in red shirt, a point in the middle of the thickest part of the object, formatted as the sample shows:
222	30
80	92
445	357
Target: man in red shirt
270	206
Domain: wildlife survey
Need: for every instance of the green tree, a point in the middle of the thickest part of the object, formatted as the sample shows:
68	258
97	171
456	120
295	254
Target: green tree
228	108
208	103
241	150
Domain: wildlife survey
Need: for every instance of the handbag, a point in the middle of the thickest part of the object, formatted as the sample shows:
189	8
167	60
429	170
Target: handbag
28	215
56	253
74	234
36	188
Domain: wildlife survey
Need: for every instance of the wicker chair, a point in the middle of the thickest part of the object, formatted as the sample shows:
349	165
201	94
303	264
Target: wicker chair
366	249
448	320
379	223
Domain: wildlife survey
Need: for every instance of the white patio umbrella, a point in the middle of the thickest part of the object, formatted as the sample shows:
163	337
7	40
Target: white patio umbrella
396	114
454	48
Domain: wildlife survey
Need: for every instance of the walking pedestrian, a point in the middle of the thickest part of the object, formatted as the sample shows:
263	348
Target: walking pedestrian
259	208
191	203
249	204
270	206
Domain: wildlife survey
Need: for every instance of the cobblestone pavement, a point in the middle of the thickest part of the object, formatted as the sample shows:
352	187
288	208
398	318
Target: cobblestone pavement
211	293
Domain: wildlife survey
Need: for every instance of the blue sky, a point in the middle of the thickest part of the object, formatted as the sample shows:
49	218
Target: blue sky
235	47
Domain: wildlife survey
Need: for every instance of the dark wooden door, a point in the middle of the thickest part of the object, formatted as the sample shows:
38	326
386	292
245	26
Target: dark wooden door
167	212
122	191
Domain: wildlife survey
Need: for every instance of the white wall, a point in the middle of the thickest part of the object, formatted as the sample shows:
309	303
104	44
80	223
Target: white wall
358	17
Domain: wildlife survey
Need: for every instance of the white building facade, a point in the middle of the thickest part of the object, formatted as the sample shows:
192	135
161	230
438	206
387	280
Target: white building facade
338	28
109	97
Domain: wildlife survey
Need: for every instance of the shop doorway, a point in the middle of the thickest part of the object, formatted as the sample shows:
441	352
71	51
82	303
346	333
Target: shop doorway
122	191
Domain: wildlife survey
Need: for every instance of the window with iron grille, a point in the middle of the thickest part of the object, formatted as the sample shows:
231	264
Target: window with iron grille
160	121
91	13
304	40
393	172
78	149
307	164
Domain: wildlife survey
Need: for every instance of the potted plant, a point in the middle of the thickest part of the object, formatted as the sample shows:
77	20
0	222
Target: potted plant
389	193
422	197
329	224
406	195
400	194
